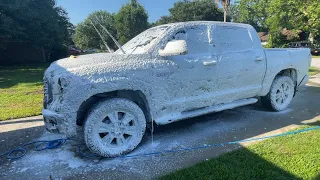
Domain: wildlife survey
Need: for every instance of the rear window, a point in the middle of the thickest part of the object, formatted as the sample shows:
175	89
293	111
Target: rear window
230	39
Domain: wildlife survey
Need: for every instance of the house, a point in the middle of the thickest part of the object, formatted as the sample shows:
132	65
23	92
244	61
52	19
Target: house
289	35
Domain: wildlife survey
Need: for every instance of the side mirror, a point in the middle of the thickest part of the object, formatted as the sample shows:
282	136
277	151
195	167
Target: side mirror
174	48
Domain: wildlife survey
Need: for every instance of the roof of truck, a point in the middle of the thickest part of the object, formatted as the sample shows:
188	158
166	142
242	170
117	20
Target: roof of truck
188	23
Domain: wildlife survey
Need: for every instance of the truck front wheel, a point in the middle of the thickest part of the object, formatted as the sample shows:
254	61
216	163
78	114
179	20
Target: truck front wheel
114	127
280	94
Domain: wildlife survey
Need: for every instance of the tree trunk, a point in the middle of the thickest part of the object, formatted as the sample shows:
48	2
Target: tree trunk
44	55
311	38
225	16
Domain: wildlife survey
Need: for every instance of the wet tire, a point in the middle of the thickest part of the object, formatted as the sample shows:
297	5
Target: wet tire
114	127
280	95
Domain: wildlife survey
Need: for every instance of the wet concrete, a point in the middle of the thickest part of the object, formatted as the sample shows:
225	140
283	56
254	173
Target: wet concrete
231	125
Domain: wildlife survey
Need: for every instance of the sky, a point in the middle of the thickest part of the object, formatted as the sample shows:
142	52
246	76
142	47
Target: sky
78	10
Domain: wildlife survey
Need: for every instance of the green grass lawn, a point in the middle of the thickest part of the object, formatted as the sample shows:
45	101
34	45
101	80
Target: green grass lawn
315	56
21	91
313	71
290	157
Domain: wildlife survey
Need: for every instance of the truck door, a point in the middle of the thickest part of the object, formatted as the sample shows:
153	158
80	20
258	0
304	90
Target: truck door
196	71
241	62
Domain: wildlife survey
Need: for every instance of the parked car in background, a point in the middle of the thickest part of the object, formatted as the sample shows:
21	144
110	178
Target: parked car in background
73	50
299	45
315	52
166	74
91	50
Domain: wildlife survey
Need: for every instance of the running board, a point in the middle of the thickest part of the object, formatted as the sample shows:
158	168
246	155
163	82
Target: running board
206	110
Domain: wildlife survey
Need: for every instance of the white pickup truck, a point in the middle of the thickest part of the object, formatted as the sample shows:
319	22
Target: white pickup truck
166	74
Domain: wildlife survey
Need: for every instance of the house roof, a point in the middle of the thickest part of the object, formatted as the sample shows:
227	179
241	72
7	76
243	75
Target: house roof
290	34
263	36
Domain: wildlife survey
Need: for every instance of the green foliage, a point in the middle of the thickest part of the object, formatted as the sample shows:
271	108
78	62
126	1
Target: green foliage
254	12
86	36
295	15
313	71
198	10
21	91
39	22
277	39
130	21
234	12
275	15
163	20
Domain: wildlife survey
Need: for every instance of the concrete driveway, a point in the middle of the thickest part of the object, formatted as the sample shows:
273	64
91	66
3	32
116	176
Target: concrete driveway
236	124
315	62
316	78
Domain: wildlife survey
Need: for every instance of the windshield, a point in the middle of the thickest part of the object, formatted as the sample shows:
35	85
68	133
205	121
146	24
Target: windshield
144	42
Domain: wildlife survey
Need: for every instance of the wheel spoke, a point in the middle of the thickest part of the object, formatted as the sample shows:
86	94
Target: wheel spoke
113	116
130	130
126	118
120	140
108	139
104	128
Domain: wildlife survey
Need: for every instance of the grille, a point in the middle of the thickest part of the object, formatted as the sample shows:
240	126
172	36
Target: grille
47	92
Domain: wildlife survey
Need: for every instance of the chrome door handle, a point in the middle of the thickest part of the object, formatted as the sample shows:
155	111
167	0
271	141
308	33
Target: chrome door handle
209	63
259	59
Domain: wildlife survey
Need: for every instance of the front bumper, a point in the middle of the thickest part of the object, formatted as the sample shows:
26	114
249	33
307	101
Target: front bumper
53	121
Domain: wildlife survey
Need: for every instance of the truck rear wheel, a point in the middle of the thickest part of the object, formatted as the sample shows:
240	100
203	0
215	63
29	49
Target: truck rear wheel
114	127
280	94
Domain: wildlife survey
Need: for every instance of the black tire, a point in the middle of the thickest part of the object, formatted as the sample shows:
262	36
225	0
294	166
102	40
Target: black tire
114	127
280	95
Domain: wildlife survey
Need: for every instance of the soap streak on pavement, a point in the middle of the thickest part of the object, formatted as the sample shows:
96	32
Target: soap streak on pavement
231	125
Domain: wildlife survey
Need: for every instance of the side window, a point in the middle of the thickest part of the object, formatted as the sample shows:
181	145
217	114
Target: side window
196	38
230	39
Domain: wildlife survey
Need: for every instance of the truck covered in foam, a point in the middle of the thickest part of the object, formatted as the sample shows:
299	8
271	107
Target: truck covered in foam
166	74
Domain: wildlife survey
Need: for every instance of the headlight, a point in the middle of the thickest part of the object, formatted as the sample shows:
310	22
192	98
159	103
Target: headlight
64	82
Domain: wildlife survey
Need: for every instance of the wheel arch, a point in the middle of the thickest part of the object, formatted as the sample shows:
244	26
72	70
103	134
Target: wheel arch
291	72
136	96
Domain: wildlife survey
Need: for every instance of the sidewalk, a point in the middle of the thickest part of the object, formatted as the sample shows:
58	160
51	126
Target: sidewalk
14	133
316	78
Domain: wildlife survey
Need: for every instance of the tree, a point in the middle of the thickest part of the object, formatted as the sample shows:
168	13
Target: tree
294	15
39	23
300	17
254	12
225	5
130	21
86	36
197	10
233	12
163	20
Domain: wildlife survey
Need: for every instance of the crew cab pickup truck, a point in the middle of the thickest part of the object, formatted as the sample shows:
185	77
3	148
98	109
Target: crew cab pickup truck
166	74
